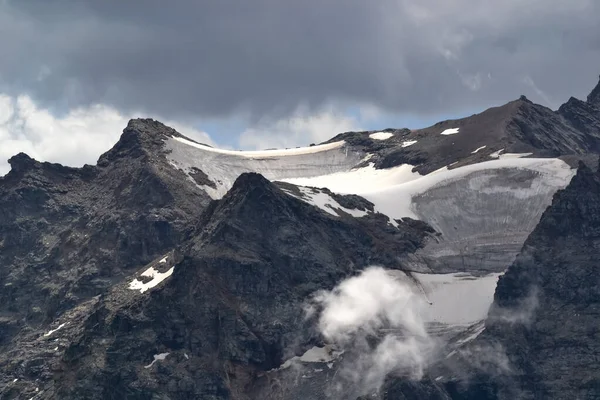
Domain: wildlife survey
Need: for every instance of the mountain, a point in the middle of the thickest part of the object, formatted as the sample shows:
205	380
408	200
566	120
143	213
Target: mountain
543	322
172	269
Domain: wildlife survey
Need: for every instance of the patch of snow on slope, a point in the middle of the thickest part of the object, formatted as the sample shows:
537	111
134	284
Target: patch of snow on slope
314	355
164	260
514	155
408	143
392	190
157	357
360	180
477	149
157	277
265	153
396	201
223	167
327	203
457	298
450	131
381	135
50	332
478	330
496	154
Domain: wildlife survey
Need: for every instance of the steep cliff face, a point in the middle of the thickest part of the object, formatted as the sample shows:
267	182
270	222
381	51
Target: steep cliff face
68	234
232	307
544	320
594	96
218	307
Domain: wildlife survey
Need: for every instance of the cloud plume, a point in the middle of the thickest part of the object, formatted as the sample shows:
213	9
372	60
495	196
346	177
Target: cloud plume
376	318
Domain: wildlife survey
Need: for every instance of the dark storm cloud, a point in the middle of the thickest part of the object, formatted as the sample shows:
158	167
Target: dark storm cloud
197	58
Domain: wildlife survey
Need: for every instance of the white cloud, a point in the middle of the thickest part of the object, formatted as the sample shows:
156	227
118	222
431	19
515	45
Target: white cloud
77	138
376	304
301	129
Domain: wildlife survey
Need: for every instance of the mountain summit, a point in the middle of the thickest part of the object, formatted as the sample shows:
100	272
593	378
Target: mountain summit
172	269
594	97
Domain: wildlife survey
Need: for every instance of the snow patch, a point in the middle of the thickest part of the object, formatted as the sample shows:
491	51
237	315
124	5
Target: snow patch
164	260
360	180
457	298
395	201
450	131
223	167
157	277
514	155
157	357
477	149
478	331
408	143
50	332
381	135
314	355
327	203
496	154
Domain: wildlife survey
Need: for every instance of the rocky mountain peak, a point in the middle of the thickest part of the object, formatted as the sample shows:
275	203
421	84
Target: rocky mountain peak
594	96
140	138
21	162
547	302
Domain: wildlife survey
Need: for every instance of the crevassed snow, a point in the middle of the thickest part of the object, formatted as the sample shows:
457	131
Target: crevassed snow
408	143
450	131
265	153
391	190
360	180
327	203
477	149
395	201
381	135
224	167
157	357
50	332
157	277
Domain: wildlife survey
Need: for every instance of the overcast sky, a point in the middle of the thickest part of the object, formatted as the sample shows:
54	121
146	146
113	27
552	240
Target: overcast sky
267	73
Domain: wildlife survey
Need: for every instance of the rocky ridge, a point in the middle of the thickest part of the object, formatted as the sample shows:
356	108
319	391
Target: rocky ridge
237	270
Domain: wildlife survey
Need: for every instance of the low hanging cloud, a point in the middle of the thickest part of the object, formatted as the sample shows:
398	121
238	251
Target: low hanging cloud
74	139
376	318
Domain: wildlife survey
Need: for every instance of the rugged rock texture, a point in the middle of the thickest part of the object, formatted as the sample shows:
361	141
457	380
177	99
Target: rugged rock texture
519	126
238	270
544	321
233	304
594	96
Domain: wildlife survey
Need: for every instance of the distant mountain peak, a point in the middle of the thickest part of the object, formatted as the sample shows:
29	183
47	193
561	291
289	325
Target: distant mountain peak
594	96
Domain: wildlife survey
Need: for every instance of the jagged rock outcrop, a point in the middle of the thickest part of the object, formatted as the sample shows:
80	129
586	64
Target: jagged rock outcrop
219	301
594	97
68	234
544	320
233	305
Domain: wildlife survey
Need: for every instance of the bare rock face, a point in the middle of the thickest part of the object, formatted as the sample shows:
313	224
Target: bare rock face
127	280
594	97
233	303
544	318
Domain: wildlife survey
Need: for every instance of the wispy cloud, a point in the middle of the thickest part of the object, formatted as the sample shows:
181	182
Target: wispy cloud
376	317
